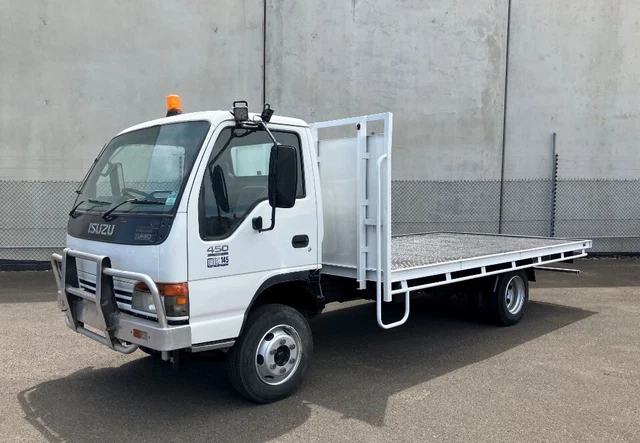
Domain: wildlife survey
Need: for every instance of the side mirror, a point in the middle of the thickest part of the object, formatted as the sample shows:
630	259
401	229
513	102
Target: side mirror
283	182
283	176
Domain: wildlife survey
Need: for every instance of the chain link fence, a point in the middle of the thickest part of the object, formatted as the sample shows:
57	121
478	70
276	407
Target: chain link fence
33	215
603	210
431	206
607	211
33	219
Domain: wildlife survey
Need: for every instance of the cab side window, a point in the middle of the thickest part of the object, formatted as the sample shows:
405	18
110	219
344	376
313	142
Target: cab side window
236	178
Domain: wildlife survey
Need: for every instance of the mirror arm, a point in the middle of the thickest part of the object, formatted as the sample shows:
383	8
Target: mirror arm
264	126
273	221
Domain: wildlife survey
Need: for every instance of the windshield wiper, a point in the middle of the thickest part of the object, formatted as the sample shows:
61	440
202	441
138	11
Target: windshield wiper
97	203
138	201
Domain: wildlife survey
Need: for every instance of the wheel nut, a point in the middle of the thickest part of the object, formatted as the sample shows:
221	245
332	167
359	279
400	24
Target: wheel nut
292	347
273	366
272	352
292	361
283	370
283	341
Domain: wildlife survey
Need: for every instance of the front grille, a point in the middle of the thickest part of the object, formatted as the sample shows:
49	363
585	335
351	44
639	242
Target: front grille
123	298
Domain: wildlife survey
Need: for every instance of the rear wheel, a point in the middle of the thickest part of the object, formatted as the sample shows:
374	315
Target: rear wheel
509	300
269	359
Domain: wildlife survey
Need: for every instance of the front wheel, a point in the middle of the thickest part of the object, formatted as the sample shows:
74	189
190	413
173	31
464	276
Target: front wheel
509	300
272	354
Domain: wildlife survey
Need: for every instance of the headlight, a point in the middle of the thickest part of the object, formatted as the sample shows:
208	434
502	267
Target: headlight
175	297
142	300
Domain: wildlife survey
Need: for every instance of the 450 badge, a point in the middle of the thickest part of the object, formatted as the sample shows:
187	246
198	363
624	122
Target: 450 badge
218	256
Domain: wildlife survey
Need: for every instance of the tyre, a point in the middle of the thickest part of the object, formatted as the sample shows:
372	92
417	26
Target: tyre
509	300
271	355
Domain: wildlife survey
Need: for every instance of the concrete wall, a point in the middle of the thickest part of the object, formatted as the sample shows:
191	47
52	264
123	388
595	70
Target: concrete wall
73	75
438	65
575	70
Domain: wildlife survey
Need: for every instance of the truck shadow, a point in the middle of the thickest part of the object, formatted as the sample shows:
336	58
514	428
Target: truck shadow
357	368
593	274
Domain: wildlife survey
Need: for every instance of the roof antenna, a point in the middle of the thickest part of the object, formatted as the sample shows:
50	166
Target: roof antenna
267	112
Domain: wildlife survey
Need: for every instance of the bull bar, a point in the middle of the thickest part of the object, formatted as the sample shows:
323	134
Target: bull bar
100	310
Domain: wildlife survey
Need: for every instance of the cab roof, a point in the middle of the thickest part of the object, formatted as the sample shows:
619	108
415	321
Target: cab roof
215	118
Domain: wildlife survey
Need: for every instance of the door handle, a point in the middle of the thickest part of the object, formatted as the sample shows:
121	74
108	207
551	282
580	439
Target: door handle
300	241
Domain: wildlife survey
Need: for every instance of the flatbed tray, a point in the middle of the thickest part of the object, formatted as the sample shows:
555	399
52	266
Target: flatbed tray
448	257
422	250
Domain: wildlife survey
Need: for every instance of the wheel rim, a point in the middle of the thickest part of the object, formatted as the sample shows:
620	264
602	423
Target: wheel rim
514	295
278	355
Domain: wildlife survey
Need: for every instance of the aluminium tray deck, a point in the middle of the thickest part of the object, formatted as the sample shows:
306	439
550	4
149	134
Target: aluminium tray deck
444	257
421	250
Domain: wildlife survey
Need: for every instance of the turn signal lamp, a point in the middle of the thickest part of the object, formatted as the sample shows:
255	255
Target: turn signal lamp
174	105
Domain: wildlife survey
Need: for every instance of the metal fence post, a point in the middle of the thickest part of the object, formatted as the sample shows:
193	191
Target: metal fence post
554	186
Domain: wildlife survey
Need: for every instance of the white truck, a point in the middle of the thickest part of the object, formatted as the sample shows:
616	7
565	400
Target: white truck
228	230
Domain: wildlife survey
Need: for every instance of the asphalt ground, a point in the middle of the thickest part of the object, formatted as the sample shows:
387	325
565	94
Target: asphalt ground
569	371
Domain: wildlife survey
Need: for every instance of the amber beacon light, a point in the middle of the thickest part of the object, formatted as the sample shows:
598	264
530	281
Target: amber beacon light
174	105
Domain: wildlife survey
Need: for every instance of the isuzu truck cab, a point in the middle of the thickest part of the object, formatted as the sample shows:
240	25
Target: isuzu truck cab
229	230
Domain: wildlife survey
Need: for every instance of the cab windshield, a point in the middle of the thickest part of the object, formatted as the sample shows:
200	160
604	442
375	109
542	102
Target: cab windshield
143	171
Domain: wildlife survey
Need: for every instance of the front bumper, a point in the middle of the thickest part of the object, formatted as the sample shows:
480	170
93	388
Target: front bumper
117	330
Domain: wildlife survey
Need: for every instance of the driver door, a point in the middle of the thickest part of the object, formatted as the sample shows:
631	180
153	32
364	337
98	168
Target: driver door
228	259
